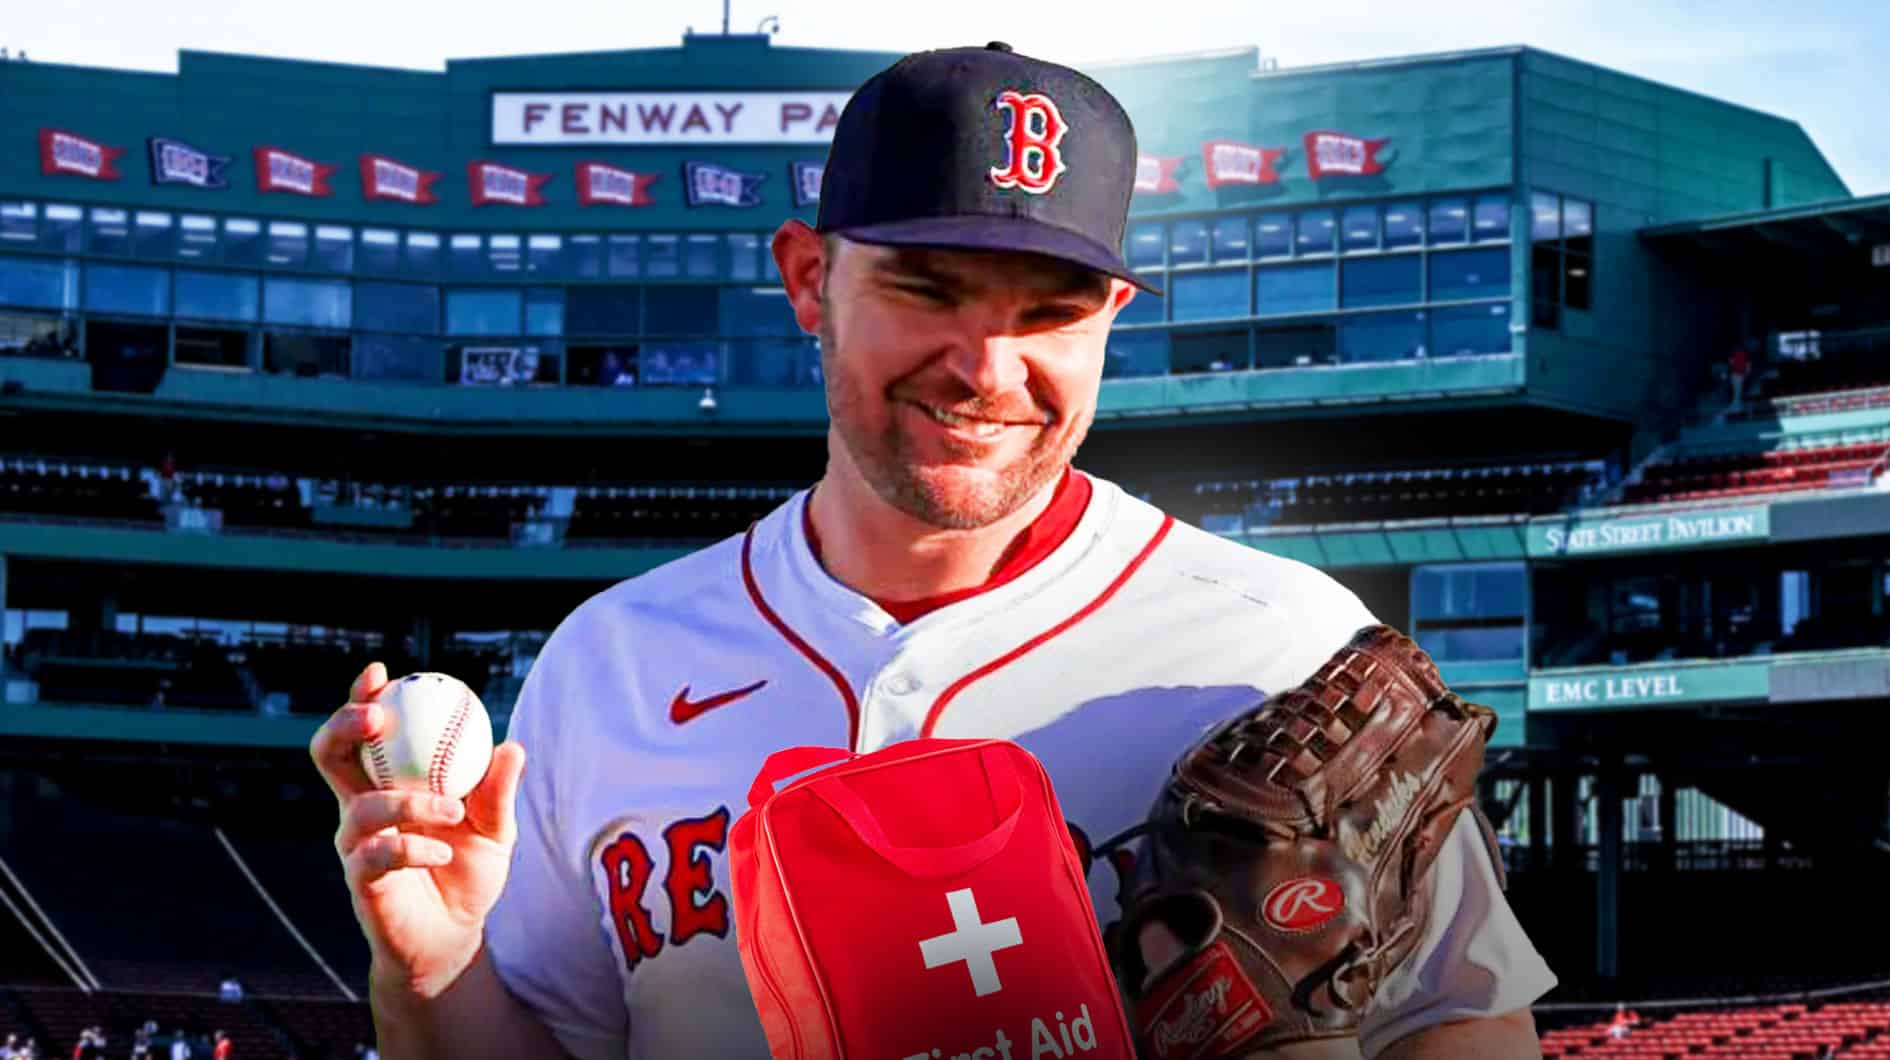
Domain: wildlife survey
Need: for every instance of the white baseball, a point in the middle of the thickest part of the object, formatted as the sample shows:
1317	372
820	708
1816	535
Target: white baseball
437	737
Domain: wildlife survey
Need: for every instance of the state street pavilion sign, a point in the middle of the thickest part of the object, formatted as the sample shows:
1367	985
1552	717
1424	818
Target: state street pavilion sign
649	118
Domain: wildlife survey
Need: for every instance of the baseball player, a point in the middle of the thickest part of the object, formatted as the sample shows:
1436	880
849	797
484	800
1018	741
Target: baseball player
951	575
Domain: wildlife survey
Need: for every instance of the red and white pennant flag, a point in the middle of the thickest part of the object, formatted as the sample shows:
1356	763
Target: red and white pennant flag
384	178
64	152
1155	174
494	183
279	170
1336	154
1229	162
598	183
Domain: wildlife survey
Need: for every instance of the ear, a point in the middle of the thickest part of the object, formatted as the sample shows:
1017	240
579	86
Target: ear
801	256
1121	293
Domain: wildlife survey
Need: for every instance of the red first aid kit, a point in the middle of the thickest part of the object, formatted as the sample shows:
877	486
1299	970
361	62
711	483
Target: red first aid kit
922	902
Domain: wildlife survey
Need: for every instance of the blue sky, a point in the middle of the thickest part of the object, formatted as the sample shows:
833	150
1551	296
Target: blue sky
1818	62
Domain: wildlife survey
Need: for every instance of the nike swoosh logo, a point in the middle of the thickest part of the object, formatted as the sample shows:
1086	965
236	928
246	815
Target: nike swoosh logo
682	709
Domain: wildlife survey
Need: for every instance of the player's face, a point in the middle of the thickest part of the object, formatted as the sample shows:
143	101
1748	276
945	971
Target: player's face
960	384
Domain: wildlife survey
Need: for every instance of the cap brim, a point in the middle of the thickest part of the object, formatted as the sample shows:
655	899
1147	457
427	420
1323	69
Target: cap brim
1020	234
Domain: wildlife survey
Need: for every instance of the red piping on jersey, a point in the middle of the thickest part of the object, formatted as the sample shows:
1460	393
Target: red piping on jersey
945	697
820	662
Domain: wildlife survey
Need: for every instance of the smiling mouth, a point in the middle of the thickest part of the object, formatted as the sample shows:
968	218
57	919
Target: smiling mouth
971	425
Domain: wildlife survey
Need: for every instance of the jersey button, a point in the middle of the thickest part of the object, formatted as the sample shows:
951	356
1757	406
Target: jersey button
902	684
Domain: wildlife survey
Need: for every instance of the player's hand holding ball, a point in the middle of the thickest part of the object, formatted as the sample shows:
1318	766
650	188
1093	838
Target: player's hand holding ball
428	821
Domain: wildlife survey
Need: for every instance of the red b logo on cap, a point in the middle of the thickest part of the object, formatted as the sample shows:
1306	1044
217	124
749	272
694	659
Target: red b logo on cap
1033	130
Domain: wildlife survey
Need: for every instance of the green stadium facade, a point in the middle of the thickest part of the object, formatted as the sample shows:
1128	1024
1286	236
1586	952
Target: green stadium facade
1453	327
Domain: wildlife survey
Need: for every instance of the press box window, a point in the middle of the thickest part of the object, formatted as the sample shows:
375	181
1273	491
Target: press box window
380	252
412	308
484	312
1360	224
744	256
1404	225
584	257
544	255
423	254
1145	246
154	235
128	289
1561	256
196	238
222	296
62	228
110	231
18	223
702	257
36	283
1188	243
662	257
464	259
1273	235
310	303
1230	239
623	256
1215	295
1315	232
504	255
1449	220
334	248
1470	612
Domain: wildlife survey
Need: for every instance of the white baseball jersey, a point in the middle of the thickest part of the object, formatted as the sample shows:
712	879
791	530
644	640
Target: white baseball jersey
653	705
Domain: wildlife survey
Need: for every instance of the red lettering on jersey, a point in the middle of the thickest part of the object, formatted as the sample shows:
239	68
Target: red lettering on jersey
689	875
628	867
1033	129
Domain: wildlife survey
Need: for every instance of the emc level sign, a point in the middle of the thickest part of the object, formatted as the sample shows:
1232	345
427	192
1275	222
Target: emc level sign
666	118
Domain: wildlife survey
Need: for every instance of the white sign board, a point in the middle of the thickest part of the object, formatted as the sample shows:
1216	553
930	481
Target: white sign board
1880	254
566	118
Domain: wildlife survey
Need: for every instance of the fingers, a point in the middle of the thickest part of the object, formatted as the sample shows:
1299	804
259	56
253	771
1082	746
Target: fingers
336	748
373	812
368	683
492	806
389	852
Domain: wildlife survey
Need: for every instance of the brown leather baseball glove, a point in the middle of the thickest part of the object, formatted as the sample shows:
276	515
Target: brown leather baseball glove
1287	868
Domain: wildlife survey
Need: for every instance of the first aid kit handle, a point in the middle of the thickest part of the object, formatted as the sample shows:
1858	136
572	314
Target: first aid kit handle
789	761
932	862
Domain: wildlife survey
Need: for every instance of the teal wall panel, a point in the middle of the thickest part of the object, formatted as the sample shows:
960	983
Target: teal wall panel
1644	154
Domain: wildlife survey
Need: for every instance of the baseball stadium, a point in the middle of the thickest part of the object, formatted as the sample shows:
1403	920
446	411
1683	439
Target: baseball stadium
1580	379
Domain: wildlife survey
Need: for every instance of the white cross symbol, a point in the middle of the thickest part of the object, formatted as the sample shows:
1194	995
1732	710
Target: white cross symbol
972	942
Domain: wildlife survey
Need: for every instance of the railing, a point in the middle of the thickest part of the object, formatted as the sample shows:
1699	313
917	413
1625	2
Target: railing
1700	855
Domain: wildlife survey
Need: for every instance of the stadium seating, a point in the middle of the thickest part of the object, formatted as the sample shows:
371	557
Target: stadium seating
1373	495
1754	473
1812	404
672	513
266	500
107	492
132	669
320	1030
305	671
56	1018
195	919
1792	1031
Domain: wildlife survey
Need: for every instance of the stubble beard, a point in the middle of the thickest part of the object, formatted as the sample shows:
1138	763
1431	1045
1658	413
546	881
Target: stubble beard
937	496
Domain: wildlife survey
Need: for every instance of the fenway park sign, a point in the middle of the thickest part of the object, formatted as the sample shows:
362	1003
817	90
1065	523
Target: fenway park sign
555	118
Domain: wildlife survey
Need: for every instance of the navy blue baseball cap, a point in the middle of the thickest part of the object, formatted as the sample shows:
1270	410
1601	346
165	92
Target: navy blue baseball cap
984	149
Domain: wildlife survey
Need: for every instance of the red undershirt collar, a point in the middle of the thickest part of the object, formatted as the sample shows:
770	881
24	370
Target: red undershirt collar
1050	529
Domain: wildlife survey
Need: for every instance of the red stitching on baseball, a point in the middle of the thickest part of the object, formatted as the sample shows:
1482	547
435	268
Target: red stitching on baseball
377	755
449	742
